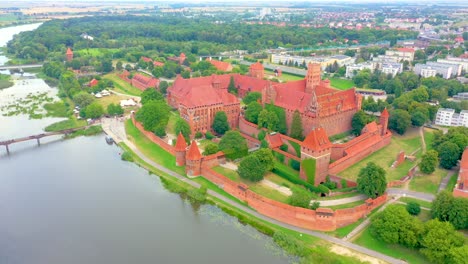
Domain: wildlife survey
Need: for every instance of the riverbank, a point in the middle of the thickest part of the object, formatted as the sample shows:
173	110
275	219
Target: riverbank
308	237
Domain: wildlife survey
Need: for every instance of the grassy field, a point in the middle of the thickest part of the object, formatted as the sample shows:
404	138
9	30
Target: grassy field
342	84
95	52
387	155
285	77
66	124
121	86
111	99
347	205
428	138
452	182
152	150
428	183
420	202
412	256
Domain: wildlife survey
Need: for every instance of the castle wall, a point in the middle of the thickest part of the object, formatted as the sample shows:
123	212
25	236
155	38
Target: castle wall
155	139
245	127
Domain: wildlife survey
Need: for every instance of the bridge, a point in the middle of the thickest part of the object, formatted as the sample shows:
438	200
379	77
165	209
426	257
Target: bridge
37	137
19	67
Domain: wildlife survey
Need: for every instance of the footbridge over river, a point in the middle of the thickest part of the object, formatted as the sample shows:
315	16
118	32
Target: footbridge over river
19	67
38	137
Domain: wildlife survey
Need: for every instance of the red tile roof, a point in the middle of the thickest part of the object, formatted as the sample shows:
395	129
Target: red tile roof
371	127
464	160
158	64
220	65
69	52
274	141
384	113
317	140
143	82
181	145
146	59
194	152
257	66
93	82
405	49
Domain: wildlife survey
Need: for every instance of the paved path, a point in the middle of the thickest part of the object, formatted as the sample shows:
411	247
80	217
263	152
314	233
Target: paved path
421	133
445	180
366	222
244	208
424	208
341	201
407	193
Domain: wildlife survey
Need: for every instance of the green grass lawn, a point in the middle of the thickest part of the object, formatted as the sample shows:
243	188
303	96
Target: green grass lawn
428	183
96	52
452	182
173	117
428	138
347	205
386	156
285	77
420	202
412	256
336	197
121	86
152	150
66	124
342	84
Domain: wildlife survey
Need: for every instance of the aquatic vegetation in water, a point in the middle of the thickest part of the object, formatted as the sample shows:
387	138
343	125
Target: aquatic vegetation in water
34	105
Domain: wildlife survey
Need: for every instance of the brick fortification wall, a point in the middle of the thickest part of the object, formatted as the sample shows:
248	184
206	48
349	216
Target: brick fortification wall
155	139
322	219
248	128
346	161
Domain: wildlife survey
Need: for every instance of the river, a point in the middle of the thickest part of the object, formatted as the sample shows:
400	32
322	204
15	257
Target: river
75	201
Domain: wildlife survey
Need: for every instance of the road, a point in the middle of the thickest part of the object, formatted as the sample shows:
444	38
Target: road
407	193
341	201
122	138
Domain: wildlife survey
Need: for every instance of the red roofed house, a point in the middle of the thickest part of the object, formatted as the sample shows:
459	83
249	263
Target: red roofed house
220	65
461	188
146	59
69	54
459	39
158	64
144	82
93	82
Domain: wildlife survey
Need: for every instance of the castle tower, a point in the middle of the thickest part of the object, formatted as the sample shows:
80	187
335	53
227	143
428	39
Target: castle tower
315	155
384	121
257	70
69	54
313	77
180	150
193	160
182	58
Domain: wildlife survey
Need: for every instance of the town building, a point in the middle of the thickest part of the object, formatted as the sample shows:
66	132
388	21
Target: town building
401	54
140	81
461	96
285	59
457	61
461	188
351	70
448	117
431	69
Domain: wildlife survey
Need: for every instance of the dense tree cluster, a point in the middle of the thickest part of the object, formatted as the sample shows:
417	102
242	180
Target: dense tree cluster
450	145
220	123
254	166
154	114
448	208
234	145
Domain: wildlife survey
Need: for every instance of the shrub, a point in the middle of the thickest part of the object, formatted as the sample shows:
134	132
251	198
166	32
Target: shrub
315	205
127	156
413	208
295	164
209	135
198	135
344	183
210	149
261	135
197	195
284	147
300	199
290	244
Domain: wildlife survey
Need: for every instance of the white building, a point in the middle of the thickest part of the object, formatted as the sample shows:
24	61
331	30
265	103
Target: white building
431	69
448	117
350	69
460	61
461	96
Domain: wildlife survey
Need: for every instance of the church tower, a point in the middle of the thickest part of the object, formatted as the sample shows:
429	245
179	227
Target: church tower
69	54
313	77
315	157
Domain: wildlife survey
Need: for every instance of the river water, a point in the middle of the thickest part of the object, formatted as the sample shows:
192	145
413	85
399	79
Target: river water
75	201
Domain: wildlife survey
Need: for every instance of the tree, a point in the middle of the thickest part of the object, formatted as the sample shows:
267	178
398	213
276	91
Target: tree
83	99
448	154
458	255
251	97
232	86
234	145
300	198
265	156
429	161
438	240
250	168
296	126
371	180
211	148
119	66
106	66
181	126
396	226
413	208
150	94
268	119
252	112
399	121
418	118
454	210
154	116
163	85
220	123
360	119
115	109
94	110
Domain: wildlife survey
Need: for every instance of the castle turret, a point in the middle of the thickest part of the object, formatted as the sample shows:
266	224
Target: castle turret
384	121
313	77
180	150
69	54
193	160
182	58
315	155
257	70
